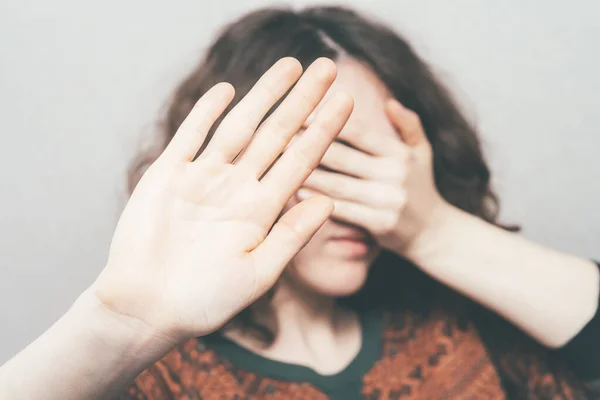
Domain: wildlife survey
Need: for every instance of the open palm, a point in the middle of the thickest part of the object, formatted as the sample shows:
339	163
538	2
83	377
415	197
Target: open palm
197	242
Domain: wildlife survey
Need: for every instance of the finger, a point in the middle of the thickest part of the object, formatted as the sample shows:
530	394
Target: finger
275	133
293	230
304	155
342	158
369	218
343	187
240	124
358	214
191	134
373	143
407	122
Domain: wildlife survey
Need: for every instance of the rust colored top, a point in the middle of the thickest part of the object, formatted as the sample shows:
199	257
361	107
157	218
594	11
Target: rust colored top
403	356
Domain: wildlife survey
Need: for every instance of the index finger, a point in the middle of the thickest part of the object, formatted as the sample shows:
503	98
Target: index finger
383	143
193	130
407	122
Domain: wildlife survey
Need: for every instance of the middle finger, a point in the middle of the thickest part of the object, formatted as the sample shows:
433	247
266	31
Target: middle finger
339	186
239	125
278	129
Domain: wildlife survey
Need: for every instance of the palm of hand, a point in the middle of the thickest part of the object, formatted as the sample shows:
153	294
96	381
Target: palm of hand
196	242
190	235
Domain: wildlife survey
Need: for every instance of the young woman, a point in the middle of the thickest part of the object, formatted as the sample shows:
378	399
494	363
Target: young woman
411	289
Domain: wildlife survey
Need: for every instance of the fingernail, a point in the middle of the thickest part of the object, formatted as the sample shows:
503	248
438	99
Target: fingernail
303	194
397	105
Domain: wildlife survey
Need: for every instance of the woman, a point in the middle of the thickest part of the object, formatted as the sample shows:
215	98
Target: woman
396	296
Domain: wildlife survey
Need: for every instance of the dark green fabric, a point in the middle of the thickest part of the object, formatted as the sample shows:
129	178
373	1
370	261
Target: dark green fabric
346	384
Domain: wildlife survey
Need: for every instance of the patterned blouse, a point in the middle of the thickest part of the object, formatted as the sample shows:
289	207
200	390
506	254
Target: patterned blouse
403	356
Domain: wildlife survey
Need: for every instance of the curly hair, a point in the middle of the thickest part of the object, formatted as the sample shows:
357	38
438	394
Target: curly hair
246	48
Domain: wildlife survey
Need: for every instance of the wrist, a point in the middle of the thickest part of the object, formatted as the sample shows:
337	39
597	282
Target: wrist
88	353
436	234
131	339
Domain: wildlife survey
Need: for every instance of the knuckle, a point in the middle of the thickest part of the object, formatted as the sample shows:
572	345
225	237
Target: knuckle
395	170
290	230
271	92
339	188
233	124
302	101
202	125
303	161
410	158
329	159
351	135
275	124
387	223
376	192
412	119
358	135
333	158
397	198
268	195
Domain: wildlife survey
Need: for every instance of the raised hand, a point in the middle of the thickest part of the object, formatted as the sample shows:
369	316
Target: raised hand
196	242
383	184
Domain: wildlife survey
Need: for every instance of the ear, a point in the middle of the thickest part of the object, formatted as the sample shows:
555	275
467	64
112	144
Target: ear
407	123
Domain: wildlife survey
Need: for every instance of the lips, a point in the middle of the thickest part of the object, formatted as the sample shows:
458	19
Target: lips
352	234
357	238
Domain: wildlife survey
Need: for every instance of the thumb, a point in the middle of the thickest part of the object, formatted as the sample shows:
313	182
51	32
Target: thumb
288	236
407	122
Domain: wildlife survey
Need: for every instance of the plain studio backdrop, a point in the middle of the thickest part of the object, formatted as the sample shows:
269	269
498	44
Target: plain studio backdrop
82	85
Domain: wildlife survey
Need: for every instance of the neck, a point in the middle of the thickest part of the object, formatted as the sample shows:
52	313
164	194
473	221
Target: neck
301	314
311	330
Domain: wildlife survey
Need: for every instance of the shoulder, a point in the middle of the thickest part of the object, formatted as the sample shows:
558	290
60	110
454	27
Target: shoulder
432	354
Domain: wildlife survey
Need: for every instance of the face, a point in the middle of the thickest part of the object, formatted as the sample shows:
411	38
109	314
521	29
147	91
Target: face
336	261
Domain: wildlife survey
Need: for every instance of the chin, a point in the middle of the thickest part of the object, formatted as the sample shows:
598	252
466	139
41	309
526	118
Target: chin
334	278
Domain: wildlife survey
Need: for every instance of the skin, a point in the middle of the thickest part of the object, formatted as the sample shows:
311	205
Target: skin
380	177
384	184
194	244
206	251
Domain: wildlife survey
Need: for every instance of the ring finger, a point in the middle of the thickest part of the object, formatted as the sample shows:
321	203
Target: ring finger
360	191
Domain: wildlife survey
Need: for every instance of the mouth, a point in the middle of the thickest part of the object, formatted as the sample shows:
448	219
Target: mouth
353	234
353	241
354	238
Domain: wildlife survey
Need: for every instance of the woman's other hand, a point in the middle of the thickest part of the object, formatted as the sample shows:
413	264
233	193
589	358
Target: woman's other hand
385	186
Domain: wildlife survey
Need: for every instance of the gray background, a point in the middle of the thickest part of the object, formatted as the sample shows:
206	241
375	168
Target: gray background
81	84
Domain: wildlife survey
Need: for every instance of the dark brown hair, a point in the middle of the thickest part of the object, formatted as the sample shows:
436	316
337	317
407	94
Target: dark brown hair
246	48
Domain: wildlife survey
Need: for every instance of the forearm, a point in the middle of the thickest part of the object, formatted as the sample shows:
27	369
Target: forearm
87	354
548	294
